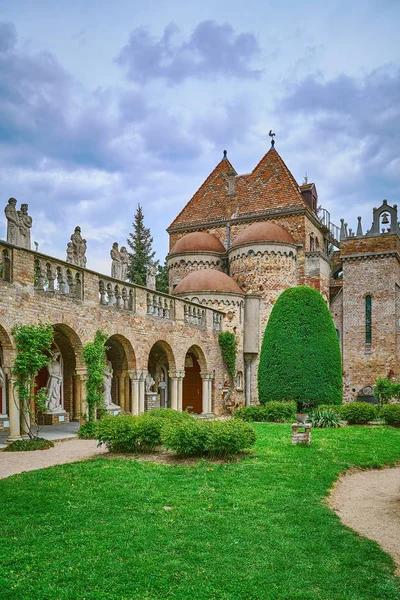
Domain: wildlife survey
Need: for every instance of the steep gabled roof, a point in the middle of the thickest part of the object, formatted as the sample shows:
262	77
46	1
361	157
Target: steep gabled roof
210	200
269	186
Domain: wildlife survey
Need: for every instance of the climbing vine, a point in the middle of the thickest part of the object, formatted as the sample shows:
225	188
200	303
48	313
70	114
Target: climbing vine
227	342
95	360
33	344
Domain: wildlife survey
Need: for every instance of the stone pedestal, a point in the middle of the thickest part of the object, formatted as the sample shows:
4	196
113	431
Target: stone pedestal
152	400
4	422
301	433
114	411
57	418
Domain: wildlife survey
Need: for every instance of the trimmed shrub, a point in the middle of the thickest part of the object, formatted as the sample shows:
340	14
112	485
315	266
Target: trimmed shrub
391	414
229	438
300	355
358	413
190	438
325	417
87	431
211	438
170	415
128	433
274	412
29	445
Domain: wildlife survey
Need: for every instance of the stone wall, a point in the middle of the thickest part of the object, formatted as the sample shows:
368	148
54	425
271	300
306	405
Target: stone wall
138	325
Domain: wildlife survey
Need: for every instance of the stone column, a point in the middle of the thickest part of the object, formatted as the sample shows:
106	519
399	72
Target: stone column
248	360
77	397
127	392
142	391
207	393
121	390
180	376
13	405
205	390
135	378
210	380
174	389
83	408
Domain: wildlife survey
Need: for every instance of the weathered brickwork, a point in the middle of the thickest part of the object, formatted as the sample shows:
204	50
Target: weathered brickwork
132	333
371	267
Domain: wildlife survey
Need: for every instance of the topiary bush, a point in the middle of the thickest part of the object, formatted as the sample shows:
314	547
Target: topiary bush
273	412
325	417
228	438
208	438
358	413
128	433
300	356
29	445
391	414
170	415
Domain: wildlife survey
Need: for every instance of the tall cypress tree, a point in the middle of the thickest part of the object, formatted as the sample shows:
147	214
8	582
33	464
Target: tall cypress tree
141	243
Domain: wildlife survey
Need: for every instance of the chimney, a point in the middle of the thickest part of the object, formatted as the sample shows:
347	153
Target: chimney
231	182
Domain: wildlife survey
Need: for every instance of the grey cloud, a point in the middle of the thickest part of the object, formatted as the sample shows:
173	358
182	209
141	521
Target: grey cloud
8	37
211	50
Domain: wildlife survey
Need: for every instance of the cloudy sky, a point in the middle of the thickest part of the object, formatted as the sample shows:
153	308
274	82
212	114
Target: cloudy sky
105	104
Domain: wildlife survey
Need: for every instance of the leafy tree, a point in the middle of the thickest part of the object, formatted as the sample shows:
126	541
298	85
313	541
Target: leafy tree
141	244
162	278
300	355
33	344
95	360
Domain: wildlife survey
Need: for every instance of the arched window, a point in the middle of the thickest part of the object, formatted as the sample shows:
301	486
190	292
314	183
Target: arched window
368	320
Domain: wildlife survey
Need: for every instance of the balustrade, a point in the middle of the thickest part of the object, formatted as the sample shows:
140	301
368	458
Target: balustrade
160	306
56	278
120	296
194	315
217	321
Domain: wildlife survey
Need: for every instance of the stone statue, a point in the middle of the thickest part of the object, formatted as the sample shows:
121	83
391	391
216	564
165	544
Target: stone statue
124	262
107	383
149	382
12	222
70	253
76	249
2	378
116	265
54	384
151	277
25	224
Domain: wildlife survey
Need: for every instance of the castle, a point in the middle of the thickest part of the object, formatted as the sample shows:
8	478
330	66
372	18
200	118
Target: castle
237	244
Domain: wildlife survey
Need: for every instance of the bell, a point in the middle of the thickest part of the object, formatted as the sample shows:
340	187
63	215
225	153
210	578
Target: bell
385	219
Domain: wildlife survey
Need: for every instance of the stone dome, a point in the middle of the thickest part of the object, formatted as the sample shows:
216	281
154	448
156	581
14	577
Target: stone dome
263	231
198	241
207	280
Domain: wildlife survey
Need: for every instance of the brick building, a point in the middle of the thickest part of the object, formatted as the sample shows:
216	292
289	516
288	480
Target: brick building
267	233
234	248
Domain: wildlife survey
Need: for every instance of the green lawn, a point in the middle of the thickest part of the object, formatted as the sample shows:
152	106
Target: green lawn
257	529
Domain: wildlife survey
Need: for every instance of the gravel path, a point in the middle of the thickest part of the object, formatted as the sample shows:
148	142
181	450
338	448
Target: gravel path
65	451
369	503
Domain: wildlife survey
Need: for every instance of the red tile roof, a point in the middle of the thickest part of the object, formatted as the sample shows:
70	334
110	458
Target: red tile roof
207	280
198	241
269	186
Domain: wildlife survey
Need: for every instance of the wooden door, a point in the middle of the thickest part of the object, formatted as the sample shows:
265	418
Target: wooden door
192	386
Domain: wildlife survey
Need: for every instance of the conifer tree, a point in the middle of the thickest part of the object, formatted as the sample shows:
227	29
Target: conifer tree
141	243
162	278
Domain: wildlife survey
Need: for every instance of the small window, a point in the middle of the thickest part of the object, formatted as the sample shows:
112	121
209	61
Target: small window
239	380
368	320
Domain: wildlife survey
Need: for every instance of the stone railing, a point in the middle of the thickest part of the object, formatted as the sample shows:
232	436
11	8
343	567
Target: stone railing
194	315
56	278
217	321
119	295
160	306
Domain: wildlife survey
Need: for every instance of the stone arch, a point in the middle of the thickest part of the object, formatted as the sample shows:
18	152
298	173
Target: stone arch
6	362
161	367
120	353
198	352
